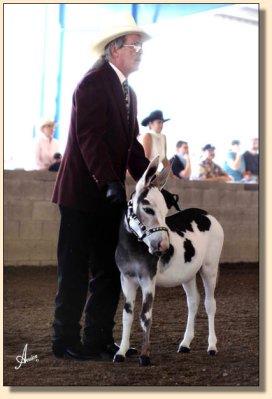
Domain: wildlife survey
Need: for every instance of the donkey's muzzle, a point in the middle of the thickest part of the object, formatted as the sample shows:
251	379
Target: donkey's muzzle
161	249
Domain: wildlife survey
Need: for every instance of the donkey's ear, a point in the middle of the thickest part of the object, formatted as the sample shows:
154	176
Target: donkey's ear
161	179
148	174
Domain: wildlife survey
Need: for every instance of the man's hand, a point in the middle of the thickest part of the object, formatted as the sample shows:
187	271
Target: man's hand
116	193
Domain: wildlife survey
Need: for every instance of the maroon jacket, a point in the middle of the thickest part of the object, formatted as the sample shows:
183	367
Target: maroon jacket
101	145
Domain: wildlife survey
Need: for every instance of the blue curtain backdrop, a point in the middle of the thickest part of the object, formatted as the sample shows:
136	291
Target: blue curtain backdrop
201	68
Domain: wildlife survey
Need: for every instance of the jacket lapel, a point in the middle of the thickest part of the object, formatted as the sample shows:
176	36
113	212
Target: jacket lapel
116	88
132	113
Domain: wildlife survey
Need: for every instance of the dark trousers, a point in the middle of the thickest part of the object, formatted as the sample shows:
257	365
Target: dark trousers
86	248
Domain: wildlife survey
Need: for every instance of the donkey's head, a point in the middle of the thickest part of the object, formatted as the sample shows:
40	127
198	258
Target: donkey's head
148	210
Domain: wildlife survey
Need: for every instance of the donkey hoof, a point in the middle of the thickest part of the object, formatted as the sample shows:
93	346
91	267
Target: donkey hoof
131	352
183	349
212	353
144	360
118	359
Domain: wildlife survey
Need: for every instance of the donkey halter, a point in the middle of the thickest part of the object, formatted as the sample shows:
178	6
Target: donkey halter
143	231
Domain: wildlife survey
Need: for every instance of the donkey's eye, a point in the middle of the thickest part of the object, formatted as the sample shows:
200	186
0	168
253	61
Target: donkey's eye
149	211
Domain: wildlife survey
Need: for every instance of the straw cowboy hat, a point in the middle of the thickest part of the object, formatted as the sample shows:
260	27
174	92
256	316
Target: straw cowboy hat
124	25
46	122
153	116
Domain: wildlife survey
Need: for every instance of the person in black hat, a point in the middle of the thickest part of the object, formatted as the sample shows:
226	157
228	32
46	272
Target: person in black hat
153	141
209	170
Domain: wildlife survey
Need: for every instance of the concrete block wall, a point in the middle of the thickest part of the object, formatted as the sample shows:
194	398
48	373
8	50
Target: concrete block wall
31	221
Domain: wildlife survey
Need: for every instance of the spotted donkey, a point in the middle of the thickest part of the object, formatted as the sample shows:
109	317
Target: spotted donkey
165	251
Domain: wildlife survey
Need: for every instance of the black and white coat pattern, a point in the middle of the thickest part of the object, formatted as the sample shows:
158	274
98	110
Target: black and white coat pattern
156	250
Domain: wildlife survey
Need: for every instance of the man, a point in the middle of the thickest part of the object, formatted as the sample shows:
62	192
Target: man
47	145
181	163
251	158
90	191
208	170
234	165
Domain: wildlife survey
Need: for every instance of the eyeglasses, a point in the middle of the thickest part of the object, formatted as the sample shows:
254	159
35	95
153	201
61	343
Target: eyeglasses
137	47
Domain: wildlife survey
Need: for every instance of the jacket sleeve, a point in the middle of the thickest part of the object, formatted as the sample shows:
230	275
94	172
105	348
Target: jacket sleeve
90	113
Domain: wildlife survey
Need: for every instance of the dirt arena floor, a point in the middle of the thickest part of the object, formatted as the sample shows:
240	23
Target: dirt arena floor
28	307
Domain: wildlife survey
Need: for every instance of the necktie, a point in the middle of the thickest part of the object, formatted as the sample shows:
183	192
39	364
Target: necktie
126	95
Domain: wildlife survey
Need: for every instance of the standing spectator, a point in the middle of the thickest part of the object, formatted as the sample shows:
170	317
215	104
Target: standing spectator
46	146
251	158
208	170
153	141
181	163
235	164
90	191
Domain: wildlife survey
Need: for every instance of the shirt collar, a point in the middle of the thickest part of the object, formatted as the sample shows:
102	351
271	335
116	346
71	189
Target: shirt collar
180	156
120	75
153	131
44	137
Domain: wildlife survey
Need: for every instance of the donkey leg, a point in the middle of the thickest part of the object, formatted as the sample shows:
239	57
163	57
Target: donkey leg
129	287
192	295
209	278
148	292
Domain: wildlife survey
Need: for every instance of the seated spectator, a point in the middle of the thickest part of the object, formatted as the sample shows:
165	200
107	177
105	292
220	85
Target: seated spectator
46	145
153	141
251	158
54	167
235	164
208	170
180	163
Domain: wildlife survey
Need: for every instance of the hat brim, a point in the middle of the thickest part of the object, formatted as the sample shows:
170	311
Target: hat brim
98	46
209	149
146	121
46	123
